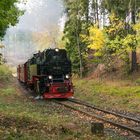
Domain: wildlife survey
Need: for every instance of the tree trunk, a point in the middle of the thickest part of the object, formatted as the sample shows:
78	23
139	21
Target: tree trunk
78	45
80	56
104	19
87	11
94	10
97	10
134	66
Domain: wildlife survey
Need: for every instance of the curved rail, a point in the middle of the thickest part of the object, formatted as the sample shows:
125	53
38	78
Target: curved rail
103	110
99	117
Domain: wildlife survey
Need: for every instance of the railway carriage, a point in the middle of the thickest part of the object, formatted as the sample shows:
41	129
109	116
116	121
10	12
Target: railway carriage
22	73
48	73
18	72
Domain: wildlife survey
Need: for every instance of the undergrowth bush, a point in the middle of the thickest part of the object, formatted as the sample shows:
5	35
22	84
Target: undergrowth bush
5	73
137	81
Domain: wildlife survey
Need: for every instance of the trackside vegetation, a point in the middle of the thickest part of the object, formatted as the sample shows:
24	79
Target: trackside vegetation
23	118
5	73
122	95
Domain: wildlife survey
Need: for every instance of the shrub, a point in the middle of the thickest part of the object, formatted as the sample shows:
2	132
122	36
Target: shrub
137	82
5	73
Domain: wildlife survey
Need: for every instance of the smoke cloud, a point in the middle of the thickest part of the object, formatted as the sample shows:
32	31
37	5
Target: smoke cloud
42	19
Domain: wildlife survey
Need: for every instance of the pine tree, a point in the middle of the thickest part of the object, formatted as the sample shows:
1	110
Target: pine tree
77	24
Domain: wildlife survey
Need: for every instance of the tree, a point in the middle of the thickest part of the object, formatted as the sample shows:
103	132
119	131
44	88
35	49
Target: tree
106	26
114	41
124	9
77	24
9	14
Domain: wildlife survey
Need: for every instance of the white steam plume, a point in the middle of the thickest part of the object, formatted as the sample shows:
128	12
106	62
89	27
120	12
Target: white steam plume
40	16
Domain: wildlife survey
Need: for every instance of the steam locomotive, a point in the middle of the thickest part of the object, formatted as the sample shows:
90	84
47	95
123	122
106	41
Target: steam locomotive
48	73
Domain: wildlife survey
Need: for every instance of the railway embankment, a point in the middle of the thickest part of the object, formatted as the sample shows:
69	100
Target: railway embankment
119	95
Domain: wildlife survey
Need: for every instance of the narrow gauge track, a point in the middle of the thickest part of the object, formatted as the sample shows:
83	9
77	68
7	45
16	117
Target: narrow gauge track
118	120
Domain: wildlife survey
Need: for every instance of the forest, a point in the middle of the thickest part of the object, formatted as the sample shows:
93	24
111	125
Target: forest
103	32
96	32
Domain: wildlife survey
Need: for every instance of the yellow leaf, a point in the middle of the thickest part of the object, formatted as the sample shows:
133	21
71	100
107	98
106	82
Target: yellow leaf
96	38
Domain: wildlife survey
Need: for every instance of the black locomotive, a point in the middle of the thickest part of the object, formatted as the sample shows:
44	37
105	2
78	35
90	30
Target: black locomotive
48	73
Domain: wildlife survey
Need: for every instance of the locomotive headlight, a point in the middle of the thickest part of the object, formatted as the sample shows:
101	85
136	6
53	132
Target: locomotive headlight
67	76
57	50
50	77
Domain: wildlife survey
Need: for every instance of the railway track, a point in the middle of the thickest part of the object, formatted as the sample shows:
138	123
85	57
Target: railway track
115	119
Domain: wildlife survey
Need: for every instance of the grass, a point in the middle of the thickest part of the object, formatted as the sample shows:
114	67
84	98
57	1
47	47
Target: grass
121	95
5	73
22	118
8	91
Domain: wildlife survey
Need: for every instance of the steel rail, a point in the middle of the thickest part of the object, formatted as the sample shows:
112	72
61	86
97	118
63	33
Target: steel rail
99	118
80	102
